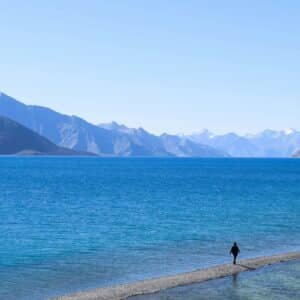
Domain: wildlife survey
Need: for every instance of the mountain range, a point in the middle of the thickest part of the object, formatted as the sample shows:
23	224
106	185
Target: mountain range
113	139
269	143
105	140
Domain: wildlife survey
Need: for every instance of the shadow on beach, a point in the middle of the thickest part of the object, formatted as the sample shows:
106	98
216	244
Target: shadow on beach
246	267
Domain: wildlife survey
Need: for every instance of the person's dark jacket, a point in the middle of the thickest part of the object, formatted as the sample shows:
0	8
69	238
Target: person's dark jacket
235	250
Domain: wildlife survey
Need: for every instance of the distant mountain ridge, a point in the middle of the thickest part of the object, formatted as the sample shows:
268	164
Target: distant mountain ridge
106	140
17	139
171	144
297	154
269	143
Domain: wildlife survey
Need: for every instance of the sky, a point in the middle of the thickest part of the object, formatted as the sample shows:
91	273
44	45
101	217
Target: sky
166	66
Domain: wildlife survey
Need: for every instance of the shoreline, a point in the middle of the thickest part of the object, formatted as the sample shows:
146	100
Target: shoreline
154	285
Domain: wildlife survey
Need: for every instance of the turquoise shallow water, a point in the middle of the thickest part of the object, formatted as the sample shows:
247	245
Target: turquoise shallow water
276	282
76	223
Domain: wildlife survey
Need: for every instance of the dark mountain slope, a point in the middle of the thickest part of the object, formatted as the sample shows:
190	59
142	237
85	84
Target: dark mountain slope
17	139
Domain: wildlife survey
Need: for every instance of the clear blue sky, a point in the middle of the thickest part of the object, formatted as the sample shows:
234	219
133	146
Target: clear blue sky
174	66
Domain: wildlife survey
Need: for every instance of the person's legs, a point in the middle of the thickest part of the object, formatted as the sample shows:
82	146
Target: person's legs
234	259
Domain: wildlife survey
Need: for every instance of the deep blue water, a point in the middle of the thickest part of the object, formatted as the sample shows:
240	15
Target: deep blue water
75	223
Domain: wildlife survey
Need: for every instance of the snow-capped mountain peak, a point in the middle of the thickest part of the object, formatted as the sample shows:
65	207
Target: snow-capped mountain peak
289	131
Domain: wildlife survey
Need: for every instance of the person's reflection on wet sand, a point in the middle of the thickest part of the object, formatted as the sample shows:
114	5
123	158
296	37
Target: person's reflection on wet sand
234	280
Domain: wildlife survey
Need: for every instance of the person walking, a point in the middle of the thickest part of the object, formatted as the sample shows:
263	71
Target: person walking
235	250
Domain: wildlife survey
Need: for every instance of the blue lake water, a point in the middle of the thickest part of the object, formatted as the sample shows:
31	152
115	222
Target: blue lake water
75	223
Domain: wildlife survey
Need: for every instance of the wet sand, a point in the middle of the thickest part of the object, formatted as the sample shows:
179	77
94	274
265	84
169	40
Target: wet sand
158	284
